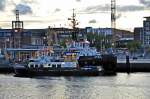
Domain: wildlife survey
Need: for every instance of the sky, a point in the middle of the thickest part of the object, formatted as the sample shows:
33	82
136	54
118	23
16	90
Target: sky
55	13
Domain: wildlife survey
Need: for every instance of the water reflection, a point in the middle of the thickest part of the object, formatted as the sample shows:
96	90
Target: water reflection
122	86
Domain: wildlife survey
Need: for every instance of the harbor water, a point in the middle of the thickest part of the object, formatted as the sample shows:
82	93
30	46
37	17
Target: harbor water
121	86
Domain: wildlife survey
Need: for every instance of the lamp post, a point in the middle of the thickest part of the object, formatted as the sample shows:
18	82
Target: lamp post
6	40
44	40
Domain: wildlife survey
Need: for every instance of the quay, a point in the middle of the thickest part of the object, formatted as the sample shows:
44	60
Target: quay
6	69
139	65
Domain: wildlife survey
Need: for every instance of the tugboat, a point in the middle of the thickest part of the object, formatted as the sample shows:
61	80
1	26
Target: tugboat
89	56
85	55
79	59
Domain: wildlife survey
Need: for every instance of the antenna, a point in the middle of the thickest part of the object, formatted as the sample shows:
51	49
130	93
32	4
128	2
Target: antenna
17	15
17	24
74	24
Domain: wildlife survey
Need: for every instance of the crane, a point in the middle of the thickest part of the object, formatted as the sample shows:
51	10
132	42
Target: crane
113	21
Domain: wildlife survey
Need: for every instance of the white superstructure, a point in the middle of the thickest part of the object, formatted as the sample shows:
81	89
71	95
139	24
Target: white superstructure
82	48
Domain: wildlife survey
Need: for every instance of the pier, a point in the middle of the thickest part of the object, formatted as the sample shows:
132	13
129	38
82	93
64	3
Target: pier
139	65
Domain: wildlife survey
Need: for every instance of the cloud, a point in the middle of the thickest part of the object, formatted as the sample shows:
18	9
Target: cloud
57	10
118	16
92	21
130	8
23	9
2	4
145	2
78	0
5	25
28	1
106	8
94	9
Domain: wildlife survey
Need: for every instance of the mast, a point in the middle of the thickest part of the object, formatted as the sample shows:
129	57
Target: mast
74	24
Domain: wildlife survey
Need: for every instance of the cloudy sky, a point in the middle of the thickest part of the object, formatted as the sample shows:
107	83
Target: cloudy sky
95	13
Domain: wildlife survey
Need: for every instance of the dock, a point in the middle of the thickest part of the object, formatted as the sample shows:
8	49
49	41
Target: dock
138	65
6	69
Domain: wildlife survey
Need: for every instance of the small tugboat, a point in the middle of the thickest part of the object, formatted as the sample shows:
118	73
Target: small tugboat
85	54
89	56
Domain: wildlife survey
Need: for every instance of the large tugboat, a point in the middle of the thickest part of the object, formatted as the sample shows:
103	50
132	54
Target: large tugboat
78	59
70	64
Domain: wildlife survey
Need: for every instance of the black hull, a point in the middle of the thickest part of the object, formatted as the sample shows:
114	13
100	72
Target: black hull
40	72
107	61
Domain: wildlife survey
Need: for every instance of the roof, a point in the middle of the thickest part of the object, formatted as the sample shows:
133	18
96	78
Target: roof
20	49
147	17
36	30
123	39
87	42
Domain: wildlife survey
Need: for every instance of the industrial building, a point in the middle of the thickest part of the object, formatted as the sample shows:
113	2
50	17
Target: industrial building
139	34
49	36
142	34
146	29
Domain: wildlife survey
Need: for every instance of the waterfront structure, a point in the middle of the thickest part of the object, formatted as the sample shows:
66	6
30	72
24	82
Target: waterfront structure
5	38
106	35
142	34
28	37
122	43
57	35
49	36
139	34
146	30
37	37
107	31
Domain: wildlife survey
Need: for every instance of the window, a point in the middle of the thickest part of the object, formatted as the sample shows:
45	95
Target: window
58	65
53	65
1	34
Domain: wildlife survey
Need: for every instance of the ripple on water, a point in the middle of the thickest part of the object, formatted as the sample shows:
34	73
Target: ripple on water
122	86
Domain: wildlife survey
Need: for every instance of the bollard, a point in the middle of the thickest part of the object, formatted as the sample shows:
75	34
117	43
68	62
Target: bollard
128	64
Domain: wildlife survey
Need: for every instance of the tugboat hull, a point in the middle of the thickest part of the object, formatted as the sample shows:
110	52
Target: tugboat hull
58	71
25	72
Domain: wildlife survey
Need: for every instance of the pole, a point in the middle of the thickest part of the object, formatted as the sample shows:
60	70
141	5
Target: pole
127	63
5	43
